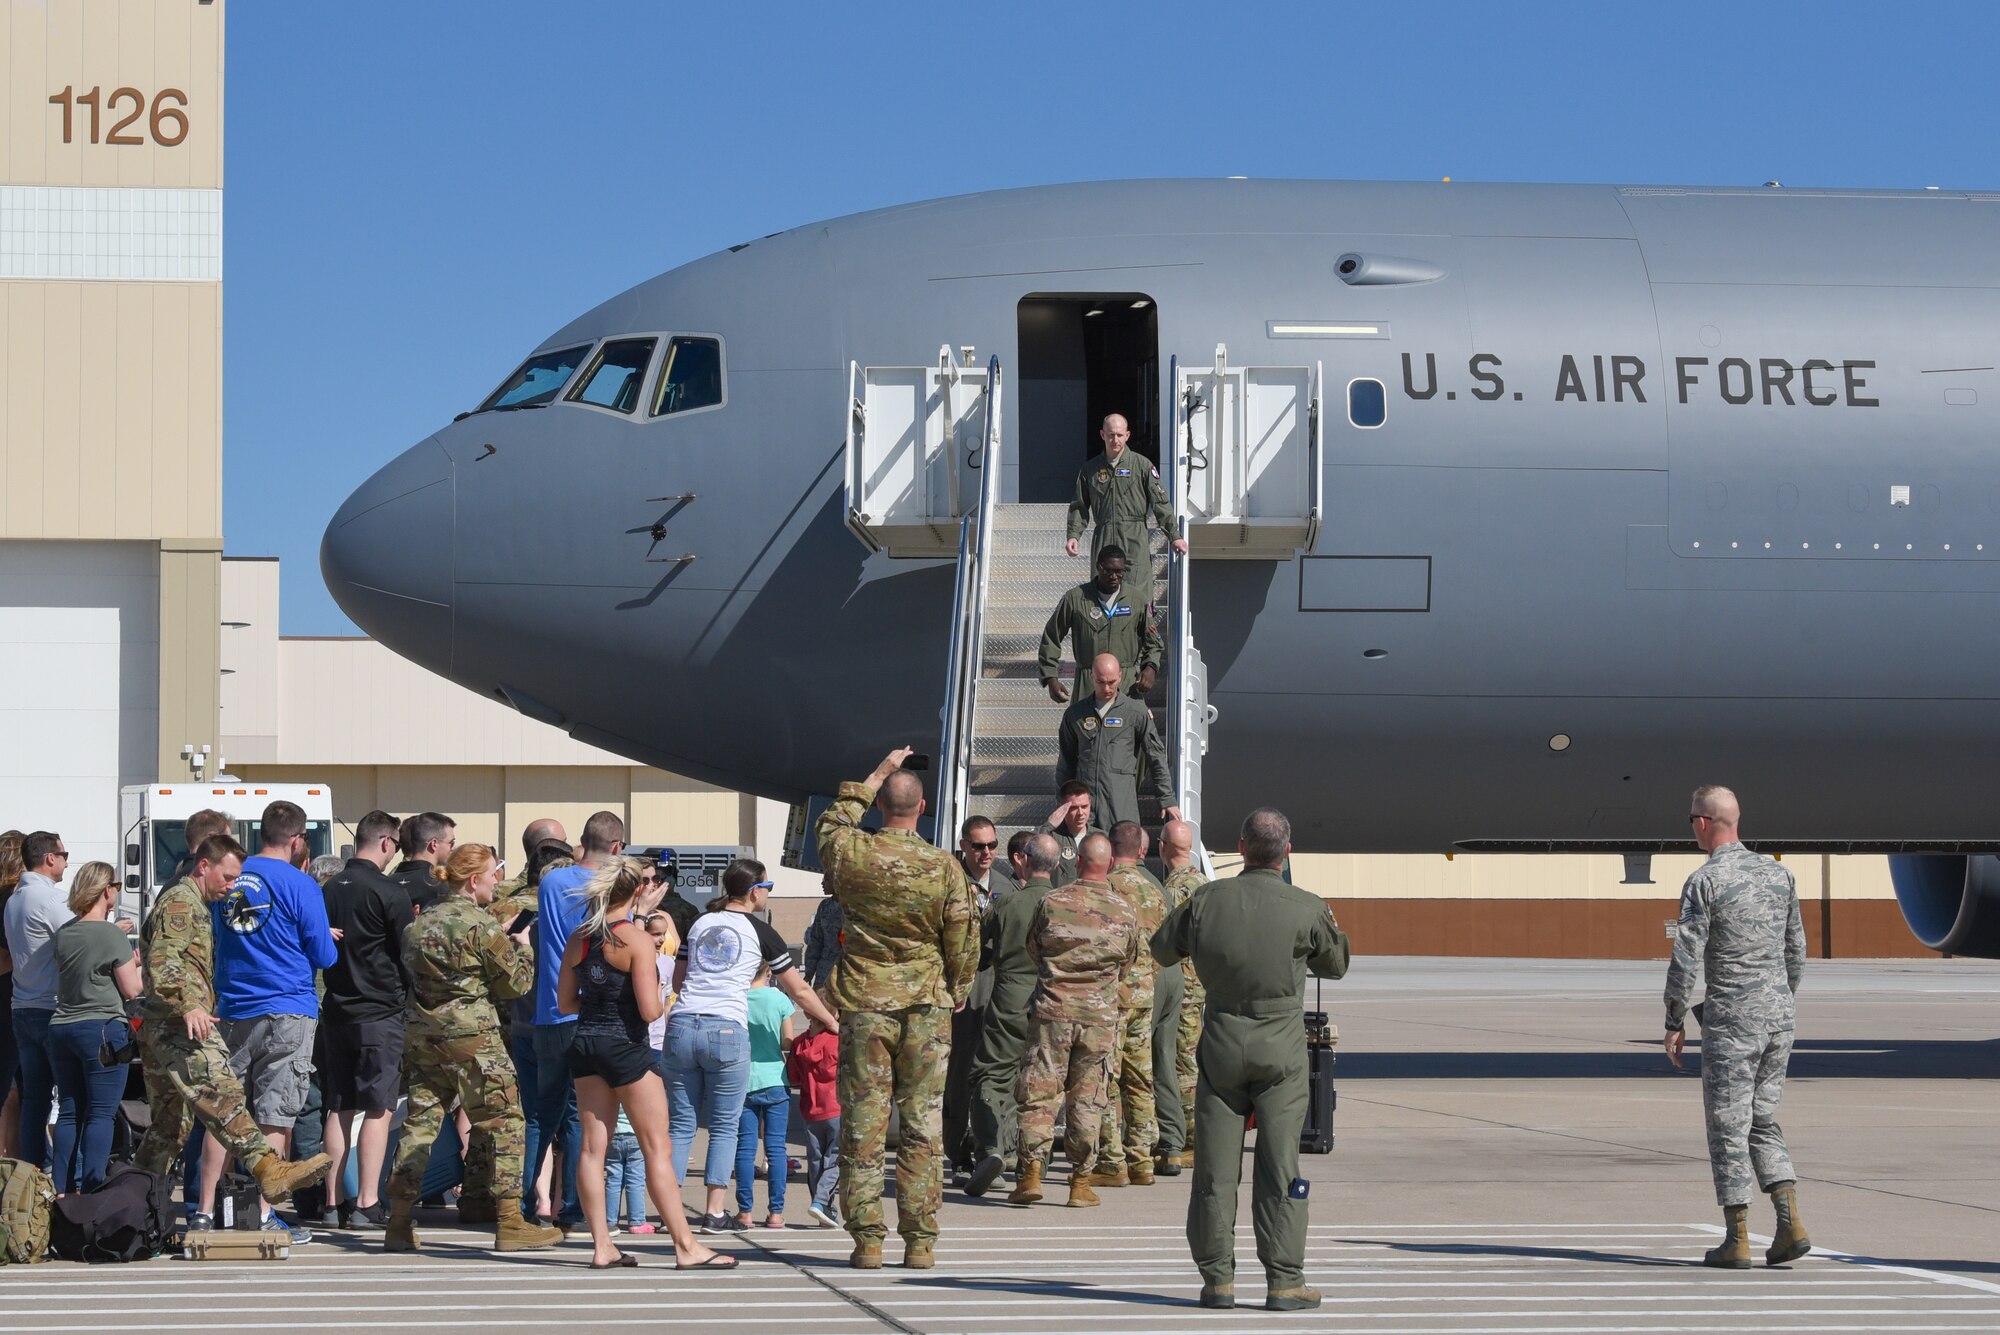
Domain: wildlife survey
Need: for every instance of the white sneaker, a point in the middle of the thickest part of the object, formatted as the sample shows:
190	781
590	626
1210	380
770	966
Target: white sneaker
822	1216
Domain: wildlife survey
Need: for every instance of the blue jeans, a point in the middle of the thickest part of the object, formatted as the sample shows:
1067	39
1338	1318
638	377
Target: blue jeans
708	1070
772	1107
552	1116
38	1081
624	1175
823	1161
87	1102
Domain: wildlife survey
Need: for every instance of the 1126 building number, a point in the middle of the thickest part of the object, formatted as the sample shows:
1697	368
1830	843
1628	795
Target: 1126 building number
167	123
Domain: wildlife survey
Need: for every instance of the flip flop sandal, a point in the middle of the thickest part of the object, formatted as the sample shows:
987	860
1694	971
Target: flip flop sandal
625	1261
719	1261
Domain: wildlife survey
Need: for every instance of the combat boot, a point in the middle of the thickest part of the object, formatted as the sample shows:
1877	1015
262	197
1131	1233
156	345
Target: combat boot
1139	1176
1187	1158
400	1234
1298	1298
1789	1242
1218	1295
919	1256
278	1178
1108	1179
1080	1194
1167	1165
1027	1186
515	1234
867	1254
1734	1253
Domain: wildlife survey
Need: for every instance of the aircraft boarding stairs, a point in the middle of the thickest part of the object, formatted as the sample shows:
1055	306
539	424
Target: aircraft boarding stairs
923	468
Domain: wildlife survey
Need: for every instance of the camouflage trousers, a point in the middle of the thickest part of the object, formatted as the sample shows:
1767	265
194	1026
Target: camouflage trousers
1069	1062
475	1070
188	1080
1190	1039
893	1058
1742	1079
1130	1127
1194	996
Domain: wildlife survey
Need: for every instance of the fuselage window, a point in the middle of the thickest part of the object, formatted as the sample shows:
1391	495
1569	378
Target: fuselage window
614	377
1367	403
692	377
539	380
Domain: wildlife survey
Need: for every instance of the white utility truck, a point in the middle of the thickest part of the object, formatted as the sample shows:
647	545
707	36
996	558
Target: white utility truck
152	821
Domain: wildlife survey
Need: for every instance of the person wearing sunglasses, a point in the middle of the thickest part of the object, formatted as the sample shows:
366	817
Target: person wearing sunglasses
1740	931
708	1034
38	908
978	854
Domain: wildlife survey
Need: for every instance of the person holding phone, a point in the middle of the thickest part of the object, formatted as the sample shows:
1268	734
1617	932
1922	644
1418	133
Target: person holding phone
708	1039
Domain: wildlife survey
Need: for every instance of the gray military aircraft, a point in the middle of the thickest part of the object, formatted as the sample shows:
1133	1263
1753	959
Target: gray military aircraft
1571	498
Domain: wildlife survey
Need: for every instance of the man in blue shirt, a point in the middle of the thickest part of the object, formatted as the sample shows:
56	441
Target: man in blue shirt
559	910
271	935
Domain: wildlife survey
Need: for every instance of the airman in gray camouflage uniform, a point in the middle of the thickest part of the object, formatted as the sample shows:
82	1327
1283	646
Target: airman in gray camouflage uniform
909	949
1084	937
1740	928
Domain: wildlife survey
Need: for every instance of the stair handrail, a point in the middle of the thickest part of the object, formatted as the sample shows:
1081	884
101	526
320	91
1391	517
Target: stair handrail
968	620
1180	636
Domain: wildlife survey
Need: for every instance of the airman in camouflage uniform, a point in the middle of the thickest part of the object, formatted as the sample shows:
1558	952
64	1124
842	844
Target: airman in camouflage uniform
1118	491
1740	928
1131	1127
461	963
909	949
1182	881
183	1058
1083	940
1101	616
1105	740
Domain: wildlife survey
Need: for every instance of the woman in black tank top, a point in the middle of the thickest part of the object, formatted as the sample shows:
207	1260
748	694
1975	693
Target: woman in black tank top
611	983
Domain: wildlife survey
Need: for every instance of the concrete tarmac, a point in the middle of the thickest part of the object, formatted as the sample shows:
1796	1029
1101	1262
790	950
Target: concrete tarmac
1515	1157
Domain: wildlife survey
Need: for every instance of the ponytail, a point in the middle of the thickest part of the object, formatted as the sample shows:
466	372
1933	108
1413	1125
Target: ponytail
613	888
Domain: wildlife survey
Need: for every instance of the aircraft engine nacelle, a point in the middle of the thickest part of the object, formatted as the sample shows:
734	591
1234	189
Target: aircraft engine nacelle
1951	900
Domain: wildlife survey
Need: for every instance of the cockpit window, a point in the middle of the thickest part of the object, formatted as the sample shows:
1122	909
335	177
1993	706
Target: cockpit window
539	380
692	377
613	378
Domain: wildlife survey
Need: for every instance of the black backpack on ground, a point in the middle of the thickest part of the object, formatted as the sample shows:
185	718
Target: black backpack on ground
127	1217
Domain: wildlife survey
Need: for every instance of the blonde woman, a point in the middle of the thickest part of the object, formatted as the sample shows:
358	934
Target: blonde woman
97	972
610	982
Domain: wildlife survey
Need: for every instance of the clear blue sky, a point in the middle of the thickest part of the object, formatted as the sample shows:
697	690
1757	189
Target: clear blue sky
417	194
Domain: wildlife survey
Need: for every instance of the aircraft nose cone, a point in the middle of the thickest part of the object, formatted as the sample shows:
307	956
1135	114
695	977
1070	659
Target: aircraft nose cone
387	555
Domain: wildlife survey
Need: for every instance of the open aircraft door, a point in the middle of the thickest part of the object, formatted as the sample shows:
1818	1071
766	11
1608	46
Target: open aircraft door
1251	457
915	445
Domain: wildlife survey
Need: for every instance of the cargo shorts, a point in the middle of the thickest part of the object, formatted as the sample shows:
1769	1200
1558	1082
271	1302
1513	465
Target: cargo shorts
273	1056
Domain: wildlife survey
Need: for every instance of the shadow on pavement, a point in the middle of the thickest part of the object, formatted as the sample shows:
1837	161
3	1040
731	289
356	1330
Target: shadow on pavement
1837	1059
1050	1288
1543	1253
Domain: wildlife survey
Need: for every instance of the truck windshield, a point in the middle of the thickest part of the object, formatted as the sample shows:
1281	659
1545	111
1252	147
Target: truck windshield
169	847
319	836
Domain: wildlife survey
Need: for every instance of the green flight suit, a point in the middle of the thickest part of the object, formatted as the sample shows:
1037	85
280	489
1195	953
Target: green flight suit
1128	629
1003	948
1109	753
1253	938
1065	871
1119	498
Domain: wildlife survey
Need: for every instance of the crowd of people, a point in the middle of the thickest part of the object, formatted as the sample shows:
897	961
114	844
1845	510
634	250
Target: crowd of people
554	1040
